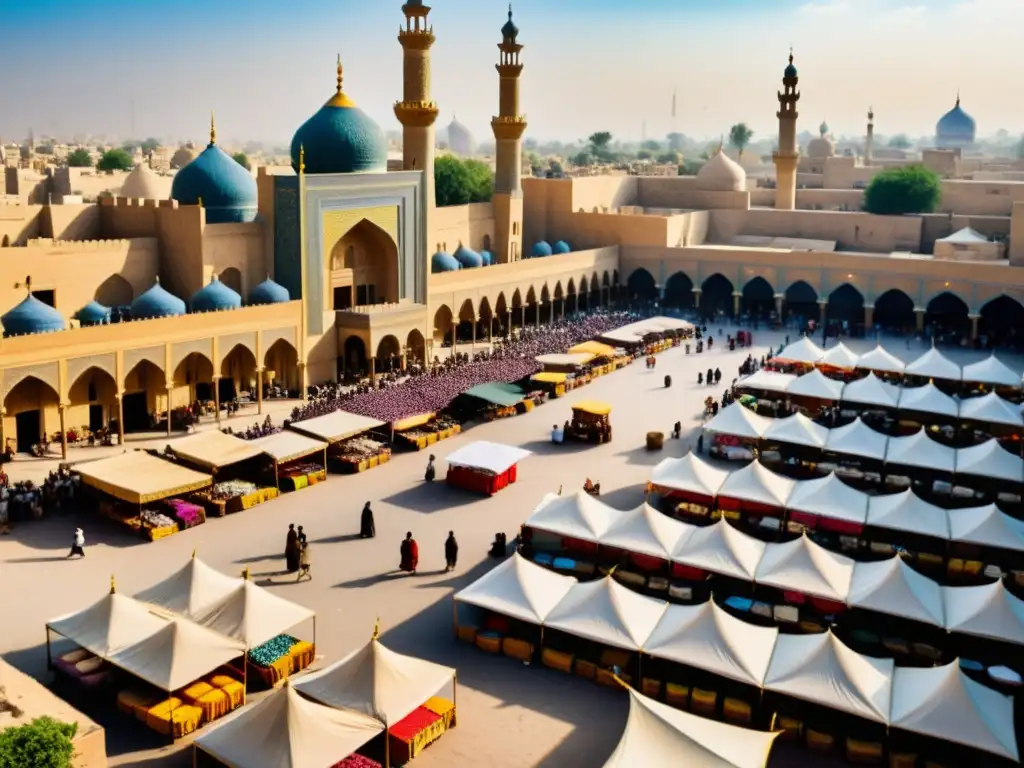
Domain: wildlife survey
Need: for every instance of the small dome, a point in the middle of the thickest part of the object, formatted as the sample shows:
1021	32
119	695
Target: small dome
182	157
31	316
823	129
157	302
487	257
442	262
467	258
269	292
509	30
93	313
460	140
722	174
821	148
540	249
790	70
226	189
562	247
340	138
955	128
214	297
143	184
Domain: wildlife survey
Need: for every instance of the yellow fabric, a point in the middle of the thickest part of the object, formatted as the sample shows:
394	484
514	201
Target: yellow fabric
214	704
586	669
677	695
138	478
703	702
557	660
444	709
196	690
863	751
302	655
593	407
550	377
595	348
651	687
467	634
488	643
411	422
236	693
221	681
517	649
818	741
174	718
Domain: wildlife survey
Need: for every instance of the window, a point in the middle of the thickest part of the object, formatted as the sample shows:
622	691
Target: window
515	227
343	297
487	242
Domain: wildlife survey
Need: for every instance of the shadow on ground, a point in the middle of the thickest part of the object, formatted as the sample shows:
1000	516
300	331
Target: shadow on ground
431	497
55	532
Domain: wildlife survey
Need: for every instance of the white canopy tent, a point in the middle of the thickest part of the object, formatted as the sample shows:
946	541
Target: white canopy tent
803	566
820	669
893	587
286	445
991	408
607	612
565	359
928	399
252	614
840	356
578	516
756	483
519	589
871	390
879	359
797	430
829	497
377	682
934	365
689	474
646	531
992	371
139	478
944	703
907	511
989	459
857	439
214	449
801	351
706	637
285	730
110	624
720	548
817	385
985	611
657	734
987	526
767	381
490	457
919	450
335	427
190	589
738	420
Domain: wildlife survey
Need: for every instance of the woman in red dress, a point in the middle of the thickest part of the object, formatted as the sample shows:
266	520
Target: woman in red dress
410	552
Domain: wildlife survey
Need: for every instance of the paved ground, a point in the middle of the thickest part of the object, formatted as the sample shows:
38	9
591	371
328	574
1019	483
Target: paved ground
510	716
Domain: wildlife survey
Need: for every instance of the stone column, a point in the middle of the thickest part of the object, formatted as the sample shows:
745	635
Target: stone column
696	298
536	314
120	418
822	310
508	325
780	298
170	389
736	297
373	372
522	315
3	437
61	409
919	311
259	391
303	393
575	303
869	317
472	342
455	336
216	400
974	326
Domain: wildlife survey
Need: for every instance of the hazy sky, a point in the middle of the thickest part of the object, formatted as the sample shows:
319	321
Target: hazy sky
75	66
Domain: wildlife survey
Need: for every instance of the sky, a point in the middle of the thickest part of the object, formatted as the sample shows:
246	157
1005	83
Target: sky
158	68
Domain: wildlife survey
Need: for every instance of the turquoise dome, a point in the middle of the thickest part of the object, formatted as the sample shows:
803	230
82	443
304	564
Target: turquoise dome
215	297
269	292
32	316
487	257
340	138
791	69
467	258
226	189
955	128
157	302
93	313
540	249
562	247
442	262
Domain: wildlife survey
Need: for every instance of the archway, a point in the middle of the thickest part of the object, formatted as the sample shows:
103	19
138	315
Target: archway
355	362
92	400
115	291
232	278
416	347
193	381
145	393
894	312
442	325
237	373
641	288
32	414
846	306
716	296
467	321
679	291
583	300
281	367
545	307
802	303
485	323
595	291
758	298
946	318
1000	320
518	311
531	307
364	267
389	354
501	311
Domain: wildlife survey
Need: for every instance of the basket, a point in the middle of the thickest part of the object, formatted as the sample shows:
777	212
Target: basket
517	649
655	441
489	643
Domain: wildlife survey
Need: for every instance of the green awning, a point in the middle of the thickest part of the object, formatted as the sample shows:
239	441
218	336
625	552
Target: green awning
497	393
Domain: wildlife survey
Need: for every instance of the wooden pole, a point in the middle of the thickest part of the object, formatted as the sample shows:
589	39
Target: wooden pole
49	652
387	746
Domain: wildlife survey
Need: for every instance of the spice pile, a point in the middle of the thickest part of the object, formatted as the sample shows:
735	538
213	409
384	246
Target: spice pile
154	519
272	650
187	514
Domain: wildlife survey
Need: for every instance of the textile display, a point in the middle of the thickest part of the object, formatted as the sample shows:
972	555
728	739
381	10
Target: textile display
557	660
216	703
174	718
444	708
480	482
517	649
302	655
411	735
186	514
357	761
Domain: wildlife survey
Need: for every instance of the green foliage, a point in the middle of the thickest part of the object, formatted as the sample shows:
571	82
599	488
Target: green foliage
676	141
242	159
150	145
691	167
600	145
652	146
1020	148
644	154
670	157
43	743
896	191
44	149
740	136
582	159
80	158
458	182
555	170
899	141
115	160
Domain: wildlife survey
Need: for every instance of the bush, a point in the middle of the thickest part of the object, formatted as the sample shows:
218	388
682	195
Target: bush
242	159
896	191
43	743
458	182
115	160
80	158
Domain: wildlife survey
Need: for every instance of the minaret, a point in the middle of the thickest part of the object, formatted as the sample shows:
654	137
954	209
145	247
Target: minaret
416	111
788	154
870	141
508	127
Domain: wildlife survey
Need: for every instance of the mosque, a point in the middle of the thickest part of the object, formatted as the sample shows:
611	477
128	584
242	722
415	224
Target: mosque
130	310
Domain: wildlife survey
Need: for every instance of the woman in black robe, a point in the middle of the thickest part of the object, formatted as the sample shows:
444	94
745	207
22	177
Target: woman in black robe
291	549
367	529
431	473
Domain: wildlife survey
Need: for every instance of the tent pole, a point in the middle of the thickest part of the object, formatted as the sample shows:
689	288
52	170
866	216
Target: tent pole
277	480
387	747
245	676
455	617
455	698
49	652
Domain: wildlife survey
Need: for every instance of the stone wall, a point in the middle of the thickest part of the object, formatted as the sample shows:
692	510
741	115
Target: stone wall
472	225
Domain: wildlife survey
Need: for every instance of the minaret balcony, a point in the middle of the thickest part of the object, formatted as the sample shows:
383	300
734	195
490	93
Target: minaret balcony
416	39
508	127
509	70
416	114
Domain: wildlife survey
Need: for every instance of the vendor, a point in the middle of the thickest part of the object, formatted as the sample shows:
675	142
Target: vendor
557	434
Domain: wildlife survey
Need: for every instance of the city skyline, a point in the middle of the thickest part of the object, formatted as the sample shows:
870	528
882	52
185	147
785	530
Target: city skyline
590	66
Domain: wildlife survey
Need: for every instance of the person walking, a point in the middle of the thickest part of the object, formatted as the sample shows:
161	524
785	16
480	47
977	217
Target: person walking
431	473
291	549
410	554
367	528
77	544
304	562
451	552
302	538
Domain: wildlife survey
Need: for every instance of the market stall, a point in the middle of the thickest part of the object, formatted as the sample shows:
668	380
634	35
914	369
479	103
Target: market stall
571	524
840	361
795	436
243	474
299	461
718	549
814	391
355	443
802	568
640	543
689	484
992	416
871	392
553	383
484	467
802	354
590	422
882	363
425	429
494	400
935	365
736	431
994	374
564	363
765	381
930	406
132	486
603	357
827	504
754	490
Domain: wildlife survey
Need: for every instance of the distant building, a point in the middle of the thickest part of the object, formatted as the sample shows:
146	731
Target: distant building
460	140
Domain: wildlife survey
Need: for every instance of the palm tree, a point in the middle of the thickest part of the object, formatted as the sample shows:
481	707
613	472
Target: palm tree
740	136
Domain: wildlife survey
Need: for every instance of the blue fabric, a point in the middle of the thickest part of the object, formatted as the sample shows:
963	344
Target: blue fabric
971	666
562	247
467	258
341	140
739	603
542	558
157	302
31	316
540	249
227	190
215	297
93	313
564	563
442	262
269	292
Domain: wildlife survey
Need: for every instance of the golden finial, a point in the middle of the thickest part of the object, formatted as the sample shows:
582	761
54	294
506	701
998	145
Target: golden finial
302	158
612	570
376	630
113	584
194	553
340	77
213	130
199	202
246	574
559	490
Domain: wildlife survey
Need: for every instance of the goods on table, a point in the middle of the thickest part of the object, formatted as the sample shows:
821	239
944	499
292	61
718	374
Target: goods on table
280	657
300	475
187	514
234	496
412	734
156	525
174	718
440	428
361	453
357	761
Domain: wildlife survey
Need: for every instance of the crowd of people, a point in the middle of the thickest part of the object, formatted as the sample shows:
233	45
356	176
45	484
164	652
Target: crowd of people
255	431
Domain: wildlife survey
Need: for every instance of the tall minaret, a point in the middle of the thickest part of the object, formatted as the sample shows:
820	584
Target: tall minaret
416	111
788	154
508	127
870	141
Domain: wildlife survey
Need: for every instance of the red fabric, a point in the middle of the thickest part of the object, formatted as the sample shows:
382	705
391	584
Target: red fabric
827	606
688	573
406	728
646	562
811	521
479	482
794	598
576	545
410	552
693	498
842	527
499	624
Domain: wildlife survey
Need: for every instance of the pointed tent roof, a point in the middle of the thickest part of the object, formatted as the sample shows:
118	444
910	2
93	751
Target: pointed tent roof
928	399
965	236
816	384
907	511
768	381
797	430
840	356
989	459
646	531
722	549
985	611
991	408
579	516
829	497
657	734
820	669
857	439
756	483
706	637
378	682
285	730
944	703
191	588
519	589
934	365
871	390
893	587
110	624
690	474
803	566
607	612
252	614
992	370
879	359
738	420
801	351
987	526
919	450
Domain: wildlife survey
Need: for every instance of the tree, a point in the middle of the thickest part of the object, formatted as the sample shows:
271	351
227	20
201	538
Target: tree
555	170
458	182
676	141
115	160
80	158
669	158
242	159
652	146
43	743
740	136
896	191
644	154
582	159
150	145
691	167
599	145
899	141
1020	148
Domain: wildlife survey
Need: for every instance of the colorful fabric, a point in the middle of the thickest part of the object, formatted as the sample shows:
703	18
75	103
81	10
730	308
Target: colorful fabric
411	735
444	708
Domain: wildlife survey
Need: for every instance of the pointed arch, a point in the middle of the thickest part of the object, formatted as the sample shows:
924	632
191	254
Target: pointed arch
517	299
679	291
389	353
606	280
641	286
416	345
716	295
583	285
531	296
442	323
570	287
947	314
1002	321
93	386
801	292
281	365
484	311
545	294
559	293
758	296
115	291
467	312
846	304
232	278
28	404
501	305
894	311
365	262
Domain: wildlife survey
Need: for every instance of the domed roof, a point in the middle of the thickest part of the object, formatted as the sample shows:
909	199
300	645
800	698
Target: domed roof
442	262
721	174
541	248
562	247
182	157
156	302
467	258
509	29
460	140
790	70
956	127
226	189
340	138
214	297
487	256
269	292
143	184
31	316
93	313
822	146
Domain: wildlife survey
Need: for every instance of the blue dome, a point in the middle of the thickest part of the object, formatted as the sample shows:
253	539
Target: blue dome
442	262
269	292
227	190
157	302
32	316
340	138
215	297
487	257
562	247
540	249
509	30
93	313
790	71
467	258
955	128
